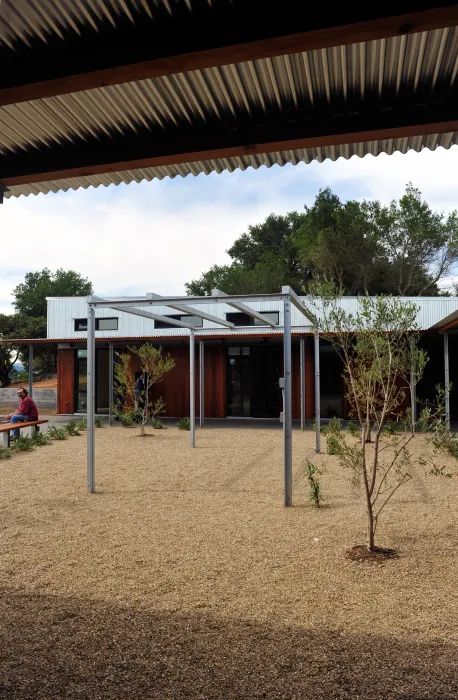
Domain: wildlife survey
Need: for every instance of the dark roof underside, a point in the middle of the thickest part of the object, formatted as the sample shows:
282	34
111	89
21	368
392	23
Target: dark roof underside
97	92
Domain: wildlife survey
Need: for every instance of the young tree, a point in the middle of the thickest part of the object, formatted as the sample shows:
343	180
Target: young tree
154	365
378	349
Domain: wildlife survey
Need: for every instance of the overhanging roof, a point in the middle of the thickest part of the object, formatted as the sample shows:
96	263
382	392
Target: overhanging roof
95	92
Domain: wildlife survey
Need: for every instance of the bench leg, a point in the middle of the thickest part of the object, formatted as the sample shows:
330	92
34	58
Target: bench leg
6	439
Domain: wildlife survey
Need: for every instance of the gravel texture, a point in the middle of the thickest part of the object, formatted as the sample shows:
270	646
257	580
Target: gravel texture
185	577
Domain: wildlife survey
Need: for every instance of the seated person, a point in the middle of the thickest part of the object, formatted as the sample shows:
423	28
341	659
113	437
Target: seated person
27	410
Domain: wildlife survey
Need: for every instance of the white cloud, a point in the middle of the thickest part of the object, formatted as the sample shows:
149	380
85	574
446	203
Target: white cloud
156	236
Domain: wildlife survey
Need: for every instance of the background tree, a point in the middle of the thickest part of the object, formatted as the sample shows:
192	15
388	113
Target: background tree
30	295
264	259
14	326
377	352
30	303
363	247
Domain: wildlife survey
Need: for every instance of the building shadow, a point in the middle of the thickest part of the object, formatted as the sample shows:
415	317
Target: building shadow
53	647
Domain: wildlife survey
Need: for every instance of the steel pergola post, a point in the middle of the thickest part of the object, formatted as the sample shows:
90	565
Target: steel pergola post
287	412
30	370
447	380
317	394
90	398
201	384
302	380
110	383
192	408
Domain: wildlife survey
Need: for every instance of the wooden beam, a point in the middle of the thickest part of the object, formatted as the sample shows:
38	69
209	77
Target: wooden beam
450	325
250	31
173	147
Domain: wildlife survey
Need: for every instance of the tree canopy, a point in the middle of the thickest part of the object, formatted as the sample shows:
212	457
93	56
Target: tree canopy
29	321
361	246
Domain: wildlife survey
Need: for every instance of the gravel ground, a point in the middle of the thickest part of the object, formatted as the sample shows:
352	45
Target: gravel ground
185	577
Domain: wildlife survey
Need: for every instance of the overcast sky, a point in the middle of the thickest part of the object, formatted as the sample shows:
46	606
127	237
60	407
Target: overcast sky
154	237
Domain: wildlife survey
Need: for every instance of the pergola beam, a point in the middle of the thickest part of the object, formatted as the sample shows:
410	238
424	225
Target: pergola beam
159	44
195	312
152	316
240	306
167	301
372	120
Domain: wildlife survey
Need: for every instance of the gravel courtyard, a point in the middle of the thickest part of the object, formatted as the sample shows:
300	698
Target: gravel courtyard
185	577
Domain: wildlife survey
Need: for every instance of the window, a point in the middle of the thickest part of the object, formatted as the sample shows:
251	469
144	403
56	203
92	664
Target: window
194	321
241	319
80	324
106	324
101	324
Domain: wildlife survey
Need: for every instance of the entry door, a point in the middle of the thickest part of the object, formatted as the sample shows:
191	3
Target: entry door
239	381
101	378
266	368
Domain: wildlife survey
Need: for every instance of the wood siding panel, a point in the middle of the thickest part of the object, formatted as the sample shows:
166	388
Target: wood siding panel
65	381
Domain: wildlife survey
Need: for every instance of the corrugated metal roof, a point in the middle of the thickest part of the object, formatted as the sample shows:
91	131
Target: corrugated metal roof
287	84
22	21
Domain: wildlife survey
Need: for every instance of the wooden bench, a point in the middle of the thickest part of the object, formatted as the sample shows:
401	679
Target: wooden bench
6	428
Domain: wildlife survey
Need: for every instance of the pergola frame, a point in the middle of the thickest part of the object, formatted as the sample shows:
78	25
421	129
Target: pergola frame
240	302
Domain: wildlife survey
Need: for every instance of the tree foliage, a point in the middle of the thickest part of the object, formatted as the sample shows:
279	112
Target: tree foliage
29	321
378	348
154	364
363	247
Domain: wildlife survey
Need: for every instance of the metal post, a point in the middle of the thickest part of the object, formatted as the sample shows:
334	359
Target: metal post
90	398
30	370
110	383
202	384
413	390
287	409
192	388
302	378
317	393
447	381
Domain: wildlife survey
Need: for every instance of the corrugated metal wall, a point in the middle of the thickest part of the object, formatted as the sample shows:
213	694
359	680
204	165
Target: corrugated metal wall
62	313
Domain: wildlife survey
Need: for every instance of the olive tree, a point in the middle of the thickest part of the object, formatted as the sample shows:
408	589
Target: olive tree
139	406
378	346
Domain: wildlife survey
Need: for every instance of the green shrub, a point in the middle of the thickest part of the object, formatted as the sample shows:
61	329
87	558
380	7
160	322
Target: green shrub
23	443
126	419
157	424
5	452
184	424
333	444
353	429
312	473
81	424
72	428
55	433
99	422
391	427
40	439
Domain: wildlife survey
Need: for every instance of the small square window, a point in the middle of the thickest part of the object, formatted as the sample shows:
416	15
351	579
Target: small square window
80	324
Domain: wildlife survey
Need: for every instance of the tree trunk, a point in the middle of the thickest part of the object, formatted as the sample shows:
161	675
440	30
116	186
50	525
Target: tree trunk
370	527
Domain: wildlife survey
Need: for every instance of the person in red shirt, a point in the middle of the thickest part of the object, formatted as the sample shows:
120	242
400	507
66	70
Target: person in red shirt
27	410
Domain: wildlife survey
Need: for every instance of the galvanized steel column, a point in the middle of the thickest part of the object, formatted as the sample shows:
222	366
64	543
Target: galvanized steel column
287	411
30	370
201	384
192	388
302	378
90	398
110	383
447	380
317	393
413	390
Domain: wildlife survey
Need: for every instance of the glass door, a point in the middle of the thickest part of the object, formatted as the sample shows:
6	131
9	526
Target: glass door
81	381
239	381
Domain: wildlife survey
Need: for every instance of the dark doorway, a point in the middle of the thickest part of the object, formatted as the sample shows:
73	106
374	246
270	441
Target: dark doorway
101	378
253	386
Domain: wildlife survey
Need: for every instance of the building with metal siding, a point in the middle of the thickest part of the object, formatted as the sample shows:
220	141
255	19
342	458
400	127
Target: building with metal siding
242	366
